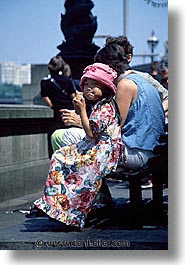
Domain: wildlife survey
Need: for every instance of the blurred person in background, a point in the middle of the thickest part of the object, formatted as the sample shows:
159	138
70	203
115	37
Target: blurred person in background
57	89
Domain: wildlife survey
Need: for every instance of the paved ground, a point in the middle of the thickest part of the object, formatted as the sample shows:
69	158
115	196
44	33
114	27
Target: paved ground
116	228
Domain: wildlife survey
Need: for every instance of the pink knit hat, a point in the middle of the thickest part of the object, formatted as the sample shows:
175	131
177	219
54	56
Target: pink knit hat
101	73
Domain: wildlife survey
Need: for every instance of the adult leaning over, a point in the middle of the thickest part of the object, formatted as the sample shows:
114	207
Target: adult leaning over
142	113
143	118
128	50
72	135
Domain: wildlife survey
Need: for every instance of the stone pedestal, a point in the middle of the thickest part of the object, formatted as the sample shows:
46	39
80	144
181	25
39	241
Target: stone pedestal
78	26
24	162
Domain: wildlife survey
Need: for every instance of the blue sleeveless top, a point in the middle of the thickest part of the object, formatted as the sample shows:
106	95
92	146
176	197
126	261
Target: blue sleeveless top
146	120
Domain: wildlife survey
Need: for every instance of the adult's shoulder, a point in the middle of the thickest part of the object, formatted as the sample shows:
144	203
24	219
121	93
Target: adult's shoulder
127	90
126	83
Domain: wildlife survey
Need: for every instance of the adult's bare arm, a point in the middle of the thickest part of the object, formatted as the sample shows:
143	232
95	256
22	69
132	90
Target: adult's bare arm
70	118
125	95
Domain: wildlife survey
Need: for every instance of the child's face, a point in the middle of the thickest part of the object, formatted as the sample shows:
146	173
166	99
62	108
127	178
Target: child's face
93	90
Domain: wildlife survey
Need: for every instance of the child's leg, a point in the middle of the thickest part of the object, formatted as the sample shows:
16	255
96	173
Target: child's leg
72	136
56	139
63	137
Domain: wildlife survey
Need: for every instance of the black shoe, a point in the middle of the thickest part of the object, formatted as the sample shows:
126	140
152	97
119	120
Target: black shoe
35	212
147	185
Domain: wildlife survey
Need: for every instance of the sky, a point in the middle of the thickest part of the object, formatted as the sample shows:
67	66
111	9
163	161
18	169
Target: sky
30	30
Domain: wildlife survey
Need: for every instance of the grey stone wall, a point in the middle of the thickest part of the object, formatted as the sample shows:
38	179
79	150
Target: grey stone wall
24	157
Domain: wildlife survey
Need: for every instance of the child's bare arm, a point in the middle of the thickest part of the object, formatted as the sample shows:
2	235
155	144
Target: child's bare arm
80	106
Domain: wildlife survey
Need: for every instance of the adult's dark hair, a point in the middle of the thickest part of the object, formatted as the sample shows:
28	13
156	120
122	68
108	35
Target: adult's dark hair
114	56
57	64
123	42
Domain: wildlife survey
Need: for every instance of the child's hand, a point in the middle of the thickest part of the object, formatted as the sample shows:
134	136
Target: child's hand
79	105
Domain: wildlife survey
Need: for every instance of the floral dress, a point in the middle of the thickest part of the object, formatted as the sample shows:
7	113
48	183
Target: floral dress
76	171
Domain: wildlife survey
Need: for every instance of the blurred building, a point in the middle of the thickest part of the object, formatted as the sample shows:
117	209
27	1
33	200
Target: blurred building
11	73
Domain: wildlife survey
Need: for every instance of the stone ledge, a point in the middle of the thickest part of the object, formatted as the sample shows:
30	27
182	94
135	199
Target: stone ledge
25	111
19	180
23	148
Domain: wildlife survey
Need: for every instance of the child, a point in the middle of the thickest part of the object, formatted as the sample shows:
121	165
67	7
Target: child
57	89
76	171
